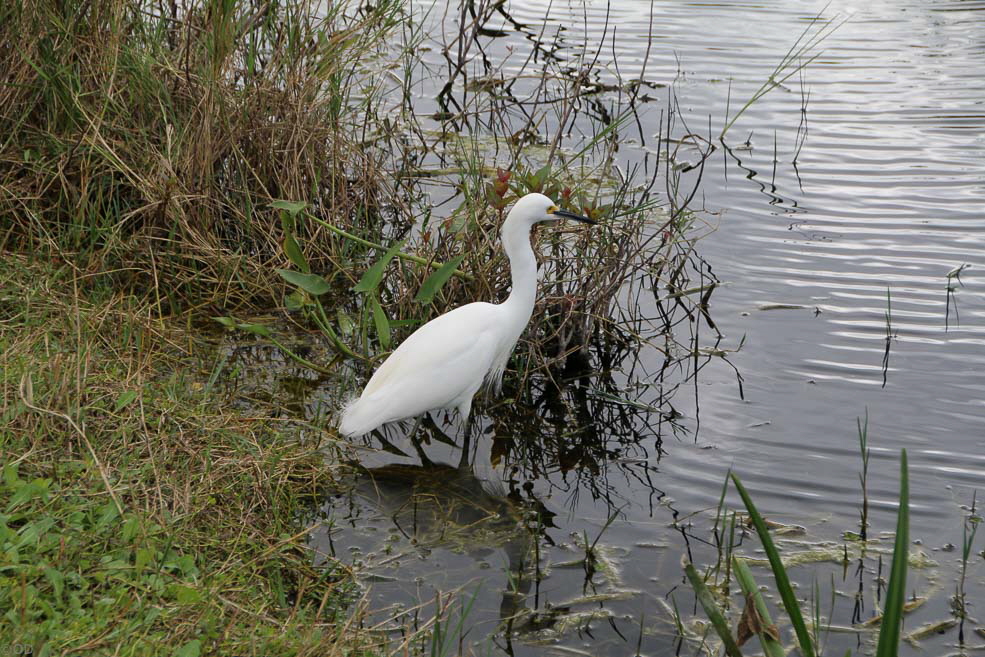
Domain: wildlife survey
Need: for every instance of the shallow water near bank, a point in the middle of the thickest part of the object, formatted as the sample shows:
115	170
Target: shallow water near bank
885	200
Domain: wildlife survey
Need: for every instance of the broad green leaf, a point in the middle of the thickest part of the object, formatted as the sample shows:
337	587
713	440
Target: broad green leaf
108	514
57	580
228	322
124	399
130	528
297	300
381	322
293	251
191	649
27	491
185	594
438	279
313	284
374	274
10	477
346	325
142	558
291	207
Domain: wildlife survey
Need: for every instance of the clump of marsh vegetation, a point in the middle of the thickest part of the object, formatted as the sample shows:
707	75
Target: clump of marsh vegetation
886	608
165	163
146	141
500	131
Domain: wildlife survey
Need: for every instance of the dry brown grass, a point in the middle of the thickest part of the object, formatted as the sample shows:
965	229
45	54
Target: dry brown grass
152	143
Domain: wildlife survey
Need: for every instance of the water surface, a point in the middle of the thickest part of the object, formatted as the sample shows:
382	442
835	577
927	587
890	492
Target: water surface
886	197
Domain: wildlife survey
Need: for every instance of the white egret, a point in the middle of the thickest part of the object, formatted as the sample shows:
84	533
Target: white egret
445	362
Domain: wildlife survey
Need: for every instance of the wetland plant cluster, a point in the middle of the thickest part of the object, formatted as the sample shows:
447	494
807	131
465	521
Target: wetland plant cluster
165	163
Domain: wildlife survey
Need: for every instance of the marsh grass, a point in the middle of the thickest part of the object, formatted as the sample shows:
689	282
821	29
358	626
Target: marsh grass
755	618
148	141
163	164
139	514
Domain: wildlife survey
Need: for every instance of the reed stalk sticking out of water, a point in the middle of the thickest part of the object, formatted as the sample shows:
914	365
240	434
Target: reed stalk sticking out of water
756	619
796	59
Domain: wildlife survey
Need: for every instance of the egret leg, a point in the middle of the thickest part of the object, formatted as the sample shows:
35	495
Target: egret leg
463	460
416	443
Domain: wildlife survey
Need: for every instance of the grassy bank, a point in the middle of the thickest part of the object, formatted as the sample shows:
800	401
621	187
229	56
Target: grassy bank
140	149
139	516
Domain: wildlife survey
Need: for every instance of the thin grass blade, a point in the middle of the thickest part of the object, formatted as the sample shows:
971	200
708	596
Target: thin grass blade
892	618
714	613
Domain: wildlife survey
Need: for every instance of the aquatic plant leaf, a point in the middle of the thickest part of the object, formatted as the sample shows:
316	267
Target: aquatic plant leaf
371	279
783	586
889	632
255	329
381	322
313	284
437	279
297	300
291	207
713	612
346	325
293	251
769	635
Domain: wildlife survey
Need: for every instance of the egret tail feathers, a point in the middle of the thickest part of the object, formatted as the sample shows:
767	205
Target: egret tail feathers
358	418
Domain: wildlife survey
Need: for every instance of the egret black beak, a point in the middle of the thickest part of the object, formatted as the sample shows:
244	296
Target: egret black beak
564	214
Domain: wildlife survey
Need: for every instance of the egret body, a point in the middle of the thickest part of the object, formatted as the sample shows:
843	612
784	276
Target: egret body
445	362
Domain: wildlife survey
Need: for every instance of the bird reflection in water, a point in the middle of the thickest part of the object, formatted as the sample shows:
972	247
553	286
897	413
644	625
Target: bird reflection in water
440	506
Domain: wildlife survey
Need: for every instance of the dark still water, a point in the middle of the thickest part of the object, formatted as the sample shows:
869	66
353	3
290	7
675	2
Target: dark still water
886	198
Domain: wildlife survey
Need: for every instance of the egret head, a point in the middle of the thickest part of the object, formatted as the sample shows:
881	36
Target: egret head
534	208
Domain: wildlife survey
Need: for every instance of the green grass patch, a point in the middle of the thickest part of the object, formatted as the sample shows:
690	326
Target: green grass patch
138	514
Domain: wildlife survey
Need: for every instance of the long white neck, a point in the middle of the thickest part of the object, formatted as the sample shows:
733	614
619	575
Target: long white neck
523	269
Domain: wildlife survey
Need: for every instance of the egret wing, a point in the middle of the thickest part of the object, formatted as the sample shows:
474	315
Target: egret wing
440	364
